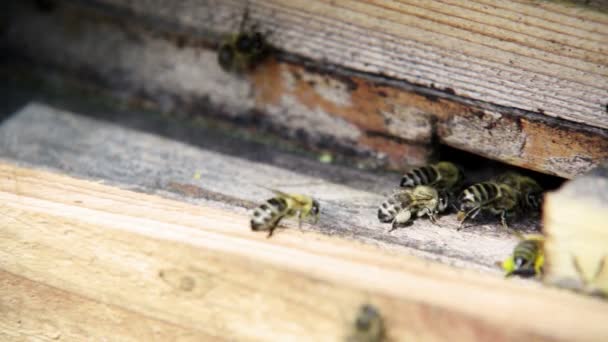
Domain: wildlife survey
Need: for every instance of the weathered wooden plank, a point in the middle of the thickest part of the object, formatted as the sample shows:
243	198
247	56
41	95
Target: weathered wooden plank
349	199
516	54
392	122
193	266
576	225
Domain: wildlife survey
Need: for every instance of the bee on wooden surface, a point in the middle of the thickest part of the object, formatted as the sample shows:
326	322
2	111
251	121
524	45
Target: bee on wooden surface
527	259
496	198
243	51
368	326
421	201
267	216
530	192
442	176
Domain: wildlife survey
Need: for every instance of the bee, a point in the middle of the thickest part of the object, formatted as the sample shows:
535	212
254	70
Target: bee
368	326
442	176
268	215
421	201
243	51
530	193
496	198
527	259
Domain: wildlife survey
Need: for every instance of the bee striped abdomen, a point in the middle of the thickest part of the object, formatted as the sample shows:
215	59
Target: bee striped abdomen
524	255
480	193
420	176
268	215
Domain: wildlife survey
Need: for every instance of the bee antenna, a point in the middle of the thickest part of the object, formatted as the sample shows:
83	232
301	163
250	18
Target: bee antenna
245	18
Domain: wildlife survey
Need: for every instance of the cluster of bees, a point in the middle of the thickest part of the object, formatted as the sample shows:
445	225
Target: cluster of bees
427	191
430	191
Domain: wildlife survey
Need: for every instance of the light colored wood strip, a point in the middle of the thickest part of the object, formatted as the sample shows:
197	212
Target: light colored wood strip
530	22
564	12
33	311
496	27
472	84
188	275
461	25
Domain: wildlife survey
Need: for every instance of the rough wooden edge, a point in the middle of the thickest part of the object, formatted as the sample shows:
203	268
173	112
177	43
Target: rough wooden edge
516	54
135	252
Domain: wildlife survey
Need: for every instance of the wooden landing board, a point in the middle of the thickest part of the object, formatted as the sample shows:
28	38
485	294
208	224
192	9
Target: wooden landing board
173	270
167	60
236	179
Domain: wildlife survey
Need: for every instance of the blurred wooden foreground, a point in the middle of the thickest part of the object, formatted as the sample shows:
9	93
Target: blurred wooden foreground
85	261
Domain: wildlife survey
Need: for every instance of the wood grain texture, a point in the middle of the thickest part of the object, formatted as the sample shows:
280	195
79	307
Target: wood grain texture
547	58
34	311
145	67
200	269
576	224
386	123
235	178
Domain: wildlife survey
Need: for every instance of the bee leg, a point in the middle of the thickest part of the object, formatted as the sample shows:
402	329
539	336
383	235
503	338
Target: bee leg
300	220
432	217
401	218
471	213
273	227
503	219
270	231
244	19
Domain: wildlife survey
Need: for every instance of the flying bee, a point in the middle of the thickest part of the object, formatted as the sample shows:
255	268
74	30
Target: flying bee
421	201
496	198
527	259
530	193
368	326
268	215
442	176
243	51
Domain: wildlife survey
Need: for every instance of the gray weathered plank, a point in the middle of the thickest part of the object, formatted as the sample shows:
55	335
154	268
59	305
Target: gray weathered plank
44	136
551	59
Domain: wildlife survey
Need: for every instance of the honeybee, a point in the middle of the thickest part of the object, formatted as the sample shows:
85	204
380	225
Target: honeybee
242	51
421	200
368	326
530	193
442	176
268	215
496	198
527	259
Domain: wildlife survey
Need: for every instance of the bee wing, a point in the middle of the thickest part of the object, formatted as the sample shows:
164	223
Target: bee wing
424	196
285	195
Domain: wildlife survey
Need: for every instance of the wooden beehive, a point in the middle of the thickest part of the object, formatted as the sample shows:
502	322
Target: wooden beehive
131	162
